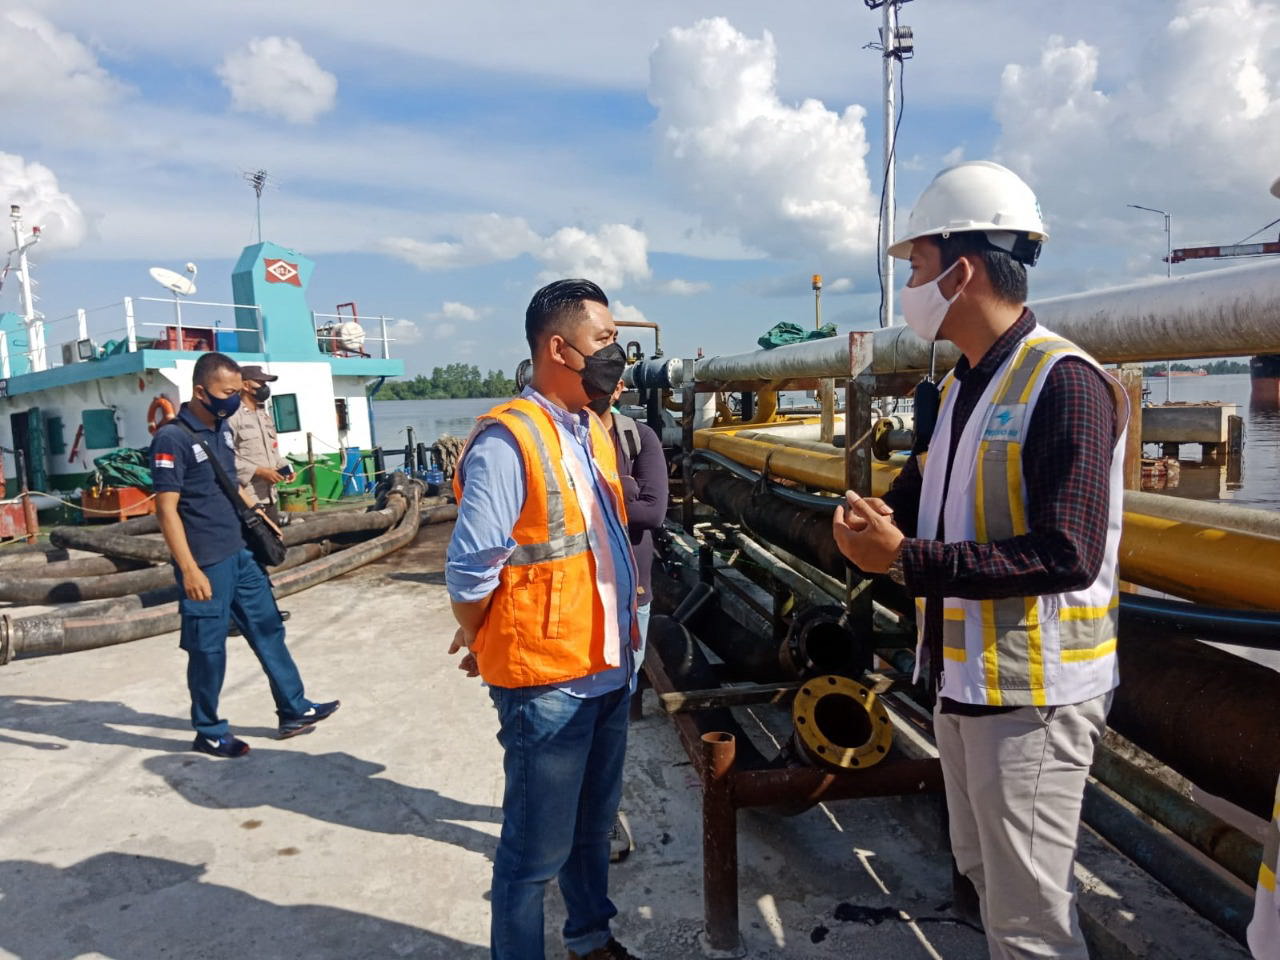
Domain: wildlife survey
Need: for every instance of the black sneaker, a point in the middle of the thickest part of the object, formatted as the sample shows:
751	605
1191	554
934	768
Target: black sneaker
224	746
612	950
293	726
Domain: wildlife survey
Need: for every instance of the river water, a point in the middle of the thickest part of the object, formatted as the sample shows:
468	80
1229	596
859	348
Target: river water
1257	486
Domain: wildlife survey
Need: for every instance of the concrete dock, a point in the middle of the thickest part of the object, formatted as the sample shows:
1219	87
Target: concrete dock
373	835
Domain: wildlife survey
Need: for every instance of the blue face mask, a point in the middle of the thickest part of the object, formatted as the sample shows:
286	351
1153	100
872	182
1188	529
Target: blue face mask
221	407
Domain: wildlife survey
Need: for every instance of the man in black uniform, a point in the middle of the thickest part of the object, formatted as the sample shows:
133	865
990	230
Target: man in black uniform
220	577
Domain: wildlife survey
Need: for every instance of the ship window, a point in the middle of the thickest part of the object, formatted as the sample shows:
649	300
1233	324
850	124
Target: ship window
57	441
284	408
100	429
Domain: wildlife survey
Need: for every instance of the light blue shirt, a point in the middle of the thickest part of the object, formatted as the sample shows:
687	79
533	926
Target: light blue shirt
493	473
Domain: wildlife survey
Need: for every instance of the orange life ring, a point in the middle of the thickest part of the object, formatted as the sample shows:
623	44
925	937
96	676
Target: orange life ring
160	412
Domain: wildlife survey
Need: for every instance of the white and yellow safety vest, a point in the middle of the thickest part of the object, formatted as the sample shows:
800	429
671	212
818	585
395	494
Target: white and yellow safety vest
1046	650
1264	930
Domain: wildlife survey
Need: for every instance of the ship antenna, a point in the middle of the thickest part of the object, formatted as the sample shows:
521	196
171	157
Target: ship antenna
258	180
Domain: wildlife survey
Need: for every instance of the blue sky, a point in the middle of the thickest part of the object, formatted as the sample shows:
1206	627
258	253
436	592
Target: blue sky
439	161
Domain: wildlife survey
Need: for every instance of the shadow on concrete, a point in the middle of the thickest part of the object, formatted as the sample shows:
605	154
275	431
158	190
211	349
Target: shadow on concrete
149	908
98	721
435	577
334	787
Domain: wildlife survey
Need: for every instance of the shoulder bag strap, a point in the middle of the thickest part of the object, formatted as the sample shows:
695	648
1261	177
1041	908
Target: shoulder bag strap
232	492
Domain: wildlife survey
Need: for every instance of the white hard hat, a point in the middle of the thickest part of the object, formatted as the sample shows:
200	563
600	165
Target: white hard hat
977	195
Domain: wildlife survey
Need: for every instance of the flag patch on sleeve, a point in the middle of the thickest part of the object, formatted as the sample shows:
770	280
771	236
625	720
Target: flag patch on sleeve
164	461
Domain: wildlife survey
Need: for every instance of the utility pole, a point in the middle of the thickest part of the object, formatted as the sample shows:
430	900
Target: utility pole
897	43
817	301
1168	273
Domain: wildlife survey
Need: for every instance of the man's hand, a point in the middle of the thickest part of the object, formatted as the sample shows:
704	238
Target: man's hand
197	585
865	532
269	475
462	640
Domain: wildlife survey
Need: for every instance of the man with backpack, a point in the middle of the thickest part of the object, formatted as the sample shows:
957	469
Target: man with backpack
643	470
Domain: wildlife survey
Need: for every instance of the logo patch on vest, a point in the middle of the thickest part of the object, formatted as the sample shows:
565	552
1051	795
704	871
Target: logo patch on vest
1005	422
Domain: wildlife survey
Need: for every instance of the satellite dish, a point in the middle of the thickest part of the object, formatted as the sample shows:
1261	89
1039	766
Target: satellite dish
173	281
1275	189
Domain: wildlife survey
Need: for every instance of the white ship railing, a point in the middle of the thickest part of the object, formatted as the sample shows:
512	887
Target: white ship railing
129	321
176	324
326	333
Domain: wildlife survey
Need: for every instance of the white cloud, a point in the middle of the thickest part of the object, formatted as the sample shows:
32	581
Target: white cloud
451	317
481	239
839	285
611	256
275	77
953	156
790	180
404	331
682	288
624	311
44	203
45	67
1196	130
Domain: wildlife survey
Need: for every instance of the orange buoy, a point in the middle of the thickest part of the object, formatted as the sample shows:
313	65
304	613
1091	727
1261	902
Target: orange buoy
159	413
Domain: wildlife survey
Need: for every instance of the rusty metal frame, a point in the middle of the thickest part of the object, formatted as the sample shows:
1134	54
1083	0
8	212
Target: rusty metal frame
726	790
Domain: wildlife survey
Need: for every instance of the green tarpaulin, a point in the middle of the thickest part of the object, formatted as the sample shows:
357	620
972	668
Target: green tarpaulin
122	468
781	334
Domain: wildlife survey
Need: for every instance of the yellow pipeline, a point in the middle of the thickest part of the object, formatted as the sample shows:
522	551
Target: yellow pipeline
1206	564
822	470
1201	563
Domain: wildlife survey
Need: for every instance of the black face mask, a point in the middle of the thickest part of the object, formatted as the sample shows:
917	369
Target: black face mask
602	370
262	393
599	406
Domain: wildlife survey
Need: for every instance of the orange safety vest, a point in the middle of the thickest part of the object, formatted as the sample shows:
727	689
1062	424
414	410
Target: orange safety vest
545	622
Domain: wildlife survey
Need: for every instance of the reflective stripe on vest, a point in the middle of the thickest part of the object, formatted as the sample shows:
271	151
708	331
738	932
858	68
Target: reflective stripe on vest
1264	929
1057	648
559	545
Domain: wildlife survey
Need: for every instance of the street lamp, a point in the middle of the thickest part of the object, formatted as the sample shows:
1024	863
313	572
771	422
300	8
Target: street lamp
1168	272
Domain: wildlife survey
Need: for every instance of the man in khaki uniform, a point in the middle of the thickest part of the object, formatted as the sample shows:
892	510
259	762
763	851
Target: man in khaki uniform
259	465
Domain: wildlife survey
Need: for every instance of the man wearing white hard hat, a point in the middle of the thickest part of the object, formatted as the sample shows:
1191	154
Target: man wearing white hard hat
1006	532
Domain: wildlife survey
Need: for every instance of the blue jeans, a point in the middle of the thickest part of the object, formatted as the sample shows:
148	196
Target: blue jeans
563	763
241	592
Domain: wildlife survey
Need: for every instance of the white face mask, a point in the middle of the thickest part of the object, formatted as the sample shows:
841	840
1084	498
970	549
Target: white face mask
924	307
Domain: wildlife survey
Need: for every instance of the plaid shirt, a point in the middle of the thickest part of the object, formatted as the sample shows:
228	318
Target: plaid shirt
1066	463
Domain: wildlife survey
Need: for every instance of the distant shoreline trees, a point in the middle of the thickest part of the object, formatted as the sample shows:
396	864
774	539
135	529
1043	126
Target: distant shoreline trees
1212	367
457	381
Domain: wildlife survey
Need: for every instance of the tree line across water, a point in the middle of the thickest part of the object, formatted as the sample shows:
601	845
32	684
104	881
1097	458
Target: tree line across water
457	381
1212	367
464	381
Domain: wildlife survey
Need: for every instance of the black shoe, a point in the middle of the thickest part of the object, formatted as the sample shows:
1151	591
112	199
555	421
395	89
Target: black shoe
234	631
293	726
612	950
225	746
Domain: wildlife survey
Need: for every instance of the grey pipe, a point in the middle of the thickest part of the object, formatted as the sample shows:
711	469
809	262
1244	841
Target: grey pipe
1262	523
1193	882
1216	313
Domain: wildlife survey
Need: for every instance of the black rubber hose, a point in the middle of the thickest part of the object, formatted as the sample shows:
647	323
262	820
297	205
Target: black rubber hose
133	619
1259	629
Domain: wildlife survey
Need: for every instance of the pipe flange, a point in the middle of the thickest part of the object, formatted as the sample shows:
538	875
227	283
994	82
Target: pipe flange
6	639
840	724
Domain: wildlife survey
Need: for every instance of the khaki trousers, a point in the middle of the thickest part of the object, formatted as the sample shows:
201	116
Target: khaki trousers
1015	782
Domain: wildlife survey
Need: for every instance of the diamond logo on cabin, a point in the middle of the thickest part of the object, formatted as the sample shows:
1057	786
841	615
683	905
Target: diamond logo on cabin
282	271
